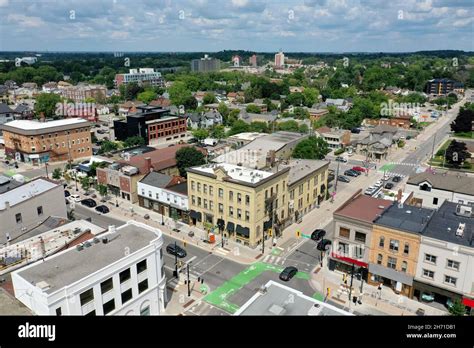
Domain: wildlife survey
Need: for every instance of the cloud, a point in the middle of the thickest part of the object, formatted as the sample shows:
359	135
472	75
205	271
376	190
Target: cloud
25	21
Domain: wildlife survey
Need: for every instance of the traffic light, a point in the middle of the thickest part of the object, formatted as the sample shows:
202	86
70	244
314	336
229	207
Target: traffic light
298	234
328	292
270	232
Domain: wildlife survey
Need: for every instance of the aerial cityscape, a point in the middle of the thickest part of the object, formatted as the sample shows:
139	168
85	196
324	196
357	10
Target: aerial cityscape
237	158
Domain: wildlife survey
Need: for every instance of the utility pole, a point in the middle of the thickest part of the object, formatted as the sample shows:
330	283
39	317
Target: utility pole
432	149
176	261
189	283
352	279
46	167
337	175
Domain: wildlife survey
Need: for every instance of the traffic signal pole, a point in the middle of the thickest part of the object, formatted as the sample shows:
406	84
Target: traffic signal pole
175	260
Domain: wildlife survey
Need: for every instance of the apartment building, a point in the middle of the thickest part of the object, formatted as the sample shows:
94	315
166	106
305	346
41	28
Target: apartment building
80	93
236	201
205	64
40	142
353	224
140	76
23	206
445	269
336	138
119	273
166	129
431	190
395	245
443	86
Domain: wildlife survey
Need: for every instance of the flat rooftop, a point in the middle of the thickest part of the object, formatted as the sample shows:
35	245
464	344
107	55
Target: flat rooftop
247	175
26	191
72	265
36	125
8	183
445	180
279	299
363	208
301	168
405	218
162	119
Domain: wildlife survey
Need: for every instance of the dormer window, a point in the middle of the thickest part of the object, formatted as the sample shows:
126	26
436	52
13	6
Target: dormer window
425	187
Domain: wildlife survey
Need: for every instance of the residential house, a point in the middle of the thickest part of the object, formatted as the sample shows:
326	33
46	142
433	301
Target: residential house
205	120
336	138
249	117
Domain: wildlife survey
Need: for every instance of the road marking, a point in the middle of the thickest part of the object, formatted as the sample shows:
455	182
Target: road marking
221	251
266	258
278	260
271	259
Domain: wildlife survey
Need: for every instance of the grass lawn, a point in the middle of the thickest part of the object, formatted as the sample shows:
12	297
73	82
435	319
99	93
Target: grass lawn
468	135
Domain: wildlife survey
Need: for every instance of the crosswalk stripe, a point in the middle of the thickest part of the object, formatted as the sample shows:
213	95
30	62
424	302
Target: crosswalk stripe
266	258
221	251
278	260
271	259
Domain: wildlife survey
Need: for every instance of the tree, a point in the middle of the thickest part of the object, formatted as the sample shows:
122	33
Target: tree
200	134
259	127
288	126
187	157
224	111
310	96
295	99
147	96
252	108
463	122
85	183
57	173
94	166
102	190
130	91
303	128
457	153
311	148
134	141
46	103
209	98
218	132
458	308
179	94
108	146
233	116
239	126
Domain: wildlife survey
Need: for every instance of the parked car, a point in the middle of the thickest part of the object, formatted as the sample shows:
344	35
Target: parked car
89	202
66	193
359	169
74	198
102	209
378	183
370	190
343	178
288	273
176	250
396	179
350	173
323	244
388	185
318	234
355	130
341	159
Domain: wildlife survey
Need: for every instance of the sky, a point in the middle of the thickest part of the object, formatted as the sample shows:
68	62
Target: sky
254	25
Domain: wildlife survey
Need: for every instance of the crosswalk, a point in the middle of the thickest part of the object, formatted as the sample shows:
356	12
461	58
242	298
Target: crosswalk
221	251
275	260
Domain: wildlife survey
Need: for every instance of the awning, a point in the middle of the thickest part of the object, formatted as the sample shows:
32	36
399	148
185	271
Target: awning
349	260
195	215
220	224
468	302
267	225
391	274
230	227
242	231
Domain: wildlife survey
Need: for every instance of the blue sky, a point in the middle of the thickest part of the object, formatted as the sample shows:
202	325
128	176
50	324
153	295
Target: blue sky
255	25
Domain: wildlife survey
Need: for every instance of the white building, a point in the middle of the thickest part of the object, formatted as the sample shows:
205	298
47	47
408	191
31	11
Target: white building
141	75
120	273
430	190
445	268
279	59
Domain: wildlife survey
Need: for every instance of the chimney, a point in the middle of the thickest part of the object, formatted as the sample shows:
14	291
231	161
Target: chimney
149	168
399	196
42	118
7	205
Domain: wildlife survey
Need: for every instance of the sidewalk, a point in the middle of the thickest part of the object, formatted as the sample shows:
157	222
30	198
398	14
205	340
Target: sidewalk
374	302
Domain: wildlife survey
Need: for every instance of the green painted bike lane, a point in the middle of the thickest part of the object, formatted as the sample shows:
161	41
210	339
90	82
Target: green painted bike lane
219	296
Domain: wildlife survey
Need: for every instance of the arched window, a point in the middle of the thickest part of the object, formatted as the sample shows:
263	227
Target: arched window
404	266
379	259
382	241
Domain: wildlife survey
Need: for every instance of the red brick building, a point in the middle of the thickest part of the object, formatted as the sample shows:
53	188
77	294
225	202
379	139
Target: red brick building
166	128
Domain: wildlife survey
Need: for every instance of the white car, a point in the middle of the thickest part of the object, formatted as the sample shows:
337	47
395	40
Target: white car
378	183
74	198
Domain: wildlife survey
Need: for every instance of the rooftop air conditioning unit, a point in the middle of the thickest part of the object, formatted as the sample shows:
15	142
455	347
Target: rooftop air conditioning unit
460	230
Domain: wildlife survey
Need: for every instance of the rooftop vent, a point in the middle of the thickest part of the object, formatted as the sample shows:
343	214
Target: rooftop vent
460	230
408	211
105	240
381	207
43	285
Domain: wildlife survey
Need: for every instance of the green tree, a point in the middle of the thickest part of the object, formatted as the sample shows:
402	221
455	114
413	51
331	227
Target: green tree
457	153
458	308
187	157
252	108
233	116
239	126
463	121
102	190
85	183
130	91
224	111
296	99
147	96
303	128
311	148
47	103
288	126
209	98
310	96
57	174
259	127
179	94
108	146
200	134
134	141
218	132
94	166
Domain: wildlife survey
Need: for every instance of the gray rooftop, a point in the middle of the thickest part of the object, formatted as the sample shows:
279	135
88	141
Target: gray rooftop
405	218
72	265
50	223
282	300
445	222
7	183
156	179
301	168
449	181
18	194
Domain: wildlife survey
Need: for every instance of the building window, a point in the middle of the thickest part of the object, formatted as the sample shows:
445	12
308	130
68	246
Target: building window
392	262
204	188
193	200
425	187
450	280
109	306
199	187
231	211
141	266
106	286
453	265
211	190
359	251
231	195
430	258
428	274
300	189
142	286
145	311
344	232
379	259
211	205
406	249
247	216
126	295
239	198
124	275
161	254
59	311
221	193
199	201
39	210
360	237
193	185
221	208
239	214
382	241
404	266
394	245
18	218
292	194
90	314
86	296
205	203
435	201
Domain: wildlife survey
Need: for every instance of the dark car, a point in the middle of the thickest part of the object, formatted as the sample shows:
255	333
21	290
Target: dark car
318	234
388	185
396	179
343	178
89	202
323	244
176	250
288	273
66	193
341	159
102	209
355	130
351	172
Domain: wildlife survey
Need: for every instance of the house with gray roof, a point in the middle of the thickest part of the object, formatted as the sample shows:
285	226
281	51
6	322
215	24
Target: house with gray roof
205	120
249	117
